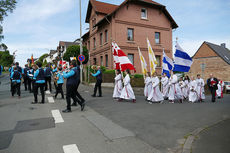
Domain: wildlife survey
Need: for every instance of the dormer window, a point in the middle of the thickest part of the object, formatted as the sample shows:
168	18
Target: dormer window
144	13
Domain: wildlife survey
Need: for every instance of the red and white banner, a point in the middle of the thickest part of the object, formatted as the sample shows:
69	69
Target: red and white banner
124	61
115	57
64	64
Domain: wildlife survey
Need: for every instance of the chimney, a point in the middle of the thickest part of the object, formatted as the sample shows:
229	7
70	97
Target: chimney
223	45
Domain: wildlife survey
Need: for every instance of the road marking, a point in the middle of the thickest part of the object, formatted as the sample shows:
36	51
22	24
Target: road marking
47	92
50	99
57	116
72	148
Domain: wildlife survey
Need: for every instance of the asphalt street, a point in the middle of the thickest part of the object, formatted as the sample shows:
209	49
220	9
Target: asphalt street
106	126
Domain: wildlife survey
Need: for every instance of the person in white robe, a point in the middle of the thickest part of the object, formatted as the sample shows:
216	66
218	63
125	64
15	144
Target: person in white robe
174	89
186	88
118	85
155	95
148	85
200	88
219	91
127	91
193	90
165	86
182	87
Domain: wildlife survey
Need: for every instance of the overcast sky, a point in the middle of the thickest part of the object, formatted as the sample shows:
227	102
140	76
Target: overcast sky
37	26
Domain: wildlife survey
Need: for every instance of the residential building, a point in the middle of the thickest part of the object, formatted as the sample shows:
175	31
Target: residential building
215	59
63	45
128	24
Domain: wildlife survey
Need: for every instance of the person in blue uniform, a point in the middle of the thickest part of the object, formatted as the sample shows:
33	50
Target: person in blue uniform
1	69
25	77
16	82
79	97
60	81
11	69
39	77
48	74
71	87
98	76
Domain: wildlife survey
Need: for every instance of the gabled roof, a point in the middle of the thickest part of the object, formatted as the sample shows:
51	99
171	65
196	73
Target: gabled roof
223	52
99	7
66	43
115	8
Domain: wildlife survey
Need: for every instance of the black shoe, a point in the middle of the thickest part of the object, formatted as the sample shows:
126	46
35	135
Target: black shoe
41	102
93	95
99	96
74	104
82	106
34	102
66	111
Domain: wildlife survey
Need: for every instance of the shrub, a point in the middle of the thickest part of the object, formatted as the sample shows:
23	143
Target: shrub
138	75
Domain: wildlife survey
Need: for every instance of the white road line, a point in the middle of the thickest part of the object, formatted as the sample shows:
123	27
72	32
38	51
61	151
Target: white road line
71	148
50	99
57	116
47	92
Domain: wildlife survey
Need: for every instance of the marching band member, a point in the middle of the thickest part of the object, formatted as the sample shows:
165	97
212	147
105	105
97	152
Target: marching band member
127	91
193	90
16	82
174	89
200	88
148	85
118	85
60	80
155	95
165	86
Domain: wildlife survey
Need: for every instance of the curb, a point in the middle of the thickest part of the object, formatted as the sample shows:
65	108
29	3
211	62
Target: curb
189	141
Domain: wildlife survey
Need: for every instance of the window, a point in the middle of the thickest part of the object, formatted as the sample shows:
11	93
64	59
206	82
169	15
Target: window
94	42
157	37
88	45
95	61
106	35
101	60
158	58
101	39
144	13
130	34
131	58
93	22
106	60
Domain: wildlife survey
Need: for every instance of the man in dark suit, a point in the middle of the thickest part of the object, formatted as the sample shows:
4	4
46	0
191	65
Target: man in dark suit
212	84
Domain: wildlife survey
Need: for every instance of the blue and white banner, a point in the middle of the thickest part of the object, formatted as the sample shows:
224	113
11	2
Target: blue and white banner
167	64
182	61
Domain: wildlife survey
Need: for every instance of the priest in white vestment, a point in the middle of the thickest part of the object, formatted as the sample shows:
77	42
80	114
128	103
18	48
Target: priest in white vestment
118	85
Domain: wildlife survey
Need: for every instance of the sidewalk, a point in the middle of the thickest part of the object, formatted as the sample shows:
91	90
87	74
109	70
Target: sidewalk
214	139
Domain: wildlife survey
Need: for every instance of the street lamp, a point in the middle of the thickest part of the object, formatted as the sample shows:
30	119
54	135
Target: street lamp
81	49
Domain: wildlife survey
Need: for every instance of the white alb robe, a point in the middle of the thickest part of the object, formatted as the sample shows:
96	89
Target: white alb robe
193	91
118	86
200	89
174	89
127	91
155	95
186	89
219	89
182	87
165	86
148	86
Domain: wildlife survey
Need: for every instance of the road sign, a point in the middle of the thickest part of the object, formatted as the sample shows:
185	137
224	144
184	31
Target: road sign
81	58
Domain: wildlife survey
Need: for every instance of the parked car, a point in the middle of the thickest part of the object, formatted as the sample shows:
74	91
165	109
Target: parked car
227	86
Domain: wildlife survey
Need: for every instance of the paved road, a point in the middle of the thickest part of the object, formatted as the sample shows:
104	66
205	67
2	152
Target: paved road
106	126
214	139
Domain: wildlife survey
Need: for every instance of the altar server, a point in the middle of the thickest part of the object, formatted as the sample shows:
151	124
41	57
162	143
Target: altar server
148	85
118	85
155	95
174	89
193	96
127	91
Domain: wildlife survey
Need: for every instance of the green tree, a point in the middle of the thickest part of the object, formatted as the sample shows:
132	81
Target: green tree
74	51
6	59
6	6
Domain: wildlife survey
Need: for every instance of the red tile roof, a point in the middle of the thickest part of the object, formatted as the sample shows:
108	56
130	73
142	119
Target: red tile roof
102	7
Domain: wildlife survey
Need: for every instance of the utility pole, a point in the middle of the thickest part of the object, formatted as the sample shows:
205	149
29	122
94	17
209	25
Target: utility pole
81	49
